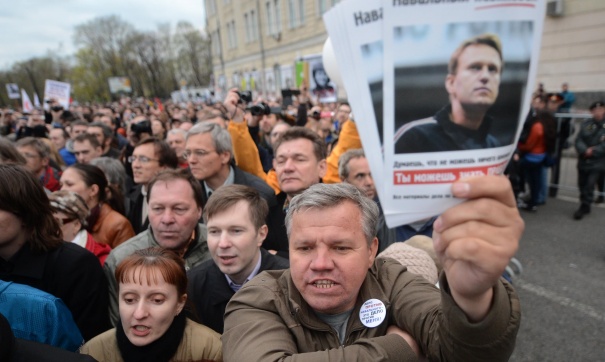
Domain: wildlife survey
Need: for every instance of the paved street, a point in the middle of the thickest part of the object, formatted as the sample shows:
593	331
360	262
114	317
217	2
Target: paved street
562	288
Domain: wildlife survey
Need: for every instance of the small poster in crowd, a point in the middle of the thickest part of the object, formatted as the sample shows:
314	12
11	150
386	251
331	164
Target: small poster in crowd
59	91
439	91
13	91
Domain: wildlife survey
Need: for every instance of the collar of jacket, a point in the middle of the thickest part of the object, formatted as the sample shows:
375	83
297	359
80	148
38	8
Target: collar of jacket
370	289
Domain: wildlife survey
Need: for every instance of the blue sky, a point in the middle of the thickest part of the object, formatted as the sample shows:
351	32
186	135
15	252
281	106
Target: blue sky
32	27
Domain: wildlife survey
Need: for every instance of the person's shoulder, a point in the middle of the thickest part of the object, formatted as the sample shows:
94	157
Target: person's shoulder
201	232
245	178
200	271
199	330
103	347
199	343
134	192
139	241
249	179
267	279
71	254
273	262
387	270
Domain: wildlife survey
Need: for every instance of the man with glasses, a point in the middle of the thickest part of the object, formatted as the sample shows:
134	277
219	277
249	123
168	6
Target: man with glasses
149	157
209	152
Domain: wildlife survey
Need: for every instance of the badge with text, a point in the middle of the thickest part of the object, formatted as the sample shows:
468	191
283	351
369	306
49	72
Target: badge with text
372	313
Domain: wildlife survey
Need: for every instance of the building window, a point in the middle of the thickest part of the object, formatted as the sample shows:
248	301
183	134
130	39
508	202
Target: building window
248	27
270	18
211	7
234	33
322	5
292	16
254	21
301	12
325	5
231	34
215	45
277	17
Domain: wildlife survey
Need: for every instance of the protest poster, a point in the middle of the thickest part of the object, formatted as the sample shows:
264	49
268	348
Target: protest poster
320	85
455	96
26	103
59	91
119	85
362	60
394	60
13	91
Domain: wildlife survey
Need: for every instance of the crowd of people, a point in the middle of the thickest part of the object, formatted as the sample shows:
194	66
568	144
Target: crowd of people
542	140
140	227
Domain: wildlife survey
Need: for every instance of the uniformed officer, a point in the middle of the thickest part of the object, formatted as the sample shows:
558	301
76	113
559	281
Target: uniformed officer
590	145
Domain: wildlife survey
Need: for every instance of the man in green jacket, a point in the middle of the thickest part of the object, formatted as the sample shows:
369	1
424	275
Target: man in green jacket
174	199
338	303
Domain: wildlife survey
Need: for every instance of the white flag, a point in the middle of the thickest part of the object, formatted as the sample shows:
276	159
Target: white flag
36	101
27	104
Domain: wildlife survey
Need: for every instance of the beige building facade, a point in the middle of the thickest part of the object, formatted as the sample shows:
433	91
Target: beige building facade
573	50
256	44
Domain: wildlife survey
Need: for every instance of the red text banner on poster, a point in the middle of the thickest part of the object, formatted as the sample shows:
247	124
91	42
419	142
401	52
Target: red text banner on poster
442	176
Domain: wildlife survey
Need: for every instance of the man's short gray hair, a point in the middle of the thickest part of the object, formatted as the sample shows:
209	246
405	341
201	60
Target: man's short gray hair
345	158
323	196
182	132
114	171
220	136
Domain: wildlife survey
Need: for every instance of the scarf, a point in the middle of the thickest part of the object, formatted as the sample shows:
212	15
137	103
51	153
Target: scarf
160	350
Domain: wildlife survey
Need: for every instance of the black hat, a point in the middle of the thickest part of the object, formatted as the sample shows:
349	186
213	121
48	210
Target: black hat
597	104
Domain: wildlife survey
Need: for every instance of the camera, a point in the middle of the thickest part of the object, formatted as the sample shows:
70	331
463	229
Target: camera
244	97
263	109
260	109
316	115
141	127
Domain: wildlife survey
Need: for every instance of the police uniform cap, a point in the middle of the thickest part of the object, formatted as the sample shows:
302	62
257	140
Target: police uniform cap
597	104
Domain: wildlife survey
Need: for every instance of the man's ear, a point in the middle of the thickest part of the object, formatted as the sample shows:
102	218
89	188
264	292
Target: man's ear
262	234
449	83
323	167
225	157
373	251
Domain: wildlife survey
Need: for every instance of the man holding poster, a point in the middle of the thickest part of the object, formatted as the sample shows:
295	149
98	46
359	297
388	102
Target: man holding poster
472	84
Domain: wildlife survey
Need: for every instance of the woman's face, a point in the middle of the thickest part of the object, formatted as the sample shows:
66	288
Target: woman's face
70	225
157	128
72	181
148	307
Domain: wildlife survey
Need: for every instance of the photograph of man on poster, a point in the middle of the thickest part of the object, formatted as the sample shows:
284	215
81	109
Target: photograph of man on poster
468	121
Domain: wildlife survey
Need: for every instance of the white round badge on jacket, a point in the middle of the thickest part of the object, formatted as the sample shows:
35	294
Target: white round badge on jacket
372	313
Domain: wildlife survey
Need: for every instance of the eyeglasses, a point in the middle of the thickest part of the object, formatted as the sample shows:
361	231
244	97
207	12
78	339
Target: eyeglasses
196	153
141	159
